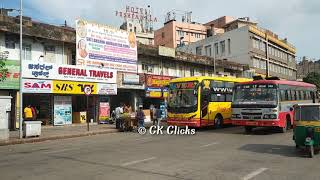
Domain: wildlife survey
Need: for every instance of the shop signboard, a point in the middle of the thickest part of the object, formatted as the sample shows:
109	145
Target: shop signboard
12	77
62	110
72	87
157	81
156	92
43	70
107	89
102	45
104	111
36	86
128	78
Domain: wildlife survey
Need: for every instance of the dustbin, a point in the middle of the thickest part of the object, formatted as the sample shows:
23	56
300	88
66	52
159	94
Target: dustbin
31	128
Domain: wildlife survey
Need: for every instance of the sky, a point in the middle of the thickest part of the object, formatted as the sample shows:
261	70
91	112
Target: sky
297	20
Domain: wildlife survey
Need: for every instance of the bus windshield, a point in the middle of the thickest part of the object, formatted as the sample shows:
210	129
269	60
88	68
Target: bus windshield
255	94
183	97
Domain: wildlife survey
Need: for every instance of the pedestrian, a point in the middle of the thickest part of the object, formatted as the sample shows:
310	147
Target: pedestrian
158	115
119	113
152	109
28	115
140	116
34	113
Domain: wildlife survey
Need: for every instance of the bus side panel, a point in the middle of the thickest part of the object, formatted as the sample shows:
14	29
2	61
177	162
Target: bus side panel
222	108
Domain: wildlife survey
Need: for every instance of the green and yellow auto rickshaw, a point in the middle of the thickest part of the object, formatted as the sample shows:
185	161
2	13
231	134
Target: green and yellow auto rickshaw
307	127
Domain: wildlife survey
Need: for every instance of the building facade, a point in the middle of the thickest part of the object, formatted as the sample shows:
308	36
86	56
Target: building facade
174	34
143	35
245	43
307	66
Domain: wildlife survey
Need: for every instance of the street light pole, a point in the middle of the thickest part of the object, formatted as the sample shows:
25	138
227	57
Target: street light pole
20	78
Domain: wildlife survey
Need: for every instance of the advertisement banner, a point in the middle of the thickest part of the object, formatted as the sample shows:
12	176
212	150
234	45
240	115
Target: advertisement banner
157	92
36	86
104	111
62	110
99	44
43	70
107	89
157	81
128	78
71	87
12	77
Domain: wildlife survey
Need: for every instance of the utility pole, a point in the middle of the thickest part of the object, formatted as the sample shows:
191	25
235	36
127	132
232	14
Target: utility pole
20	78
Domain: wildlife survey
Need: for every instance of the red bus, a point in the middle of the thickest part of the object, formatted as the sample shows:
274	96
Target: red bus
269	103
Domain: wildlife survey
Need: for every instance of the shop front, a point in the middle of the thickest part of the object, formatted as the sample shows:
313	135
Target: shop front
57	93
130	90
156	90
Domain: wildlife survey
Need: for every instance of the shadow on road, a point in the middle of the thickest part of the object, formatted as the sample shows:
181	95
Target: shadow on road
282	150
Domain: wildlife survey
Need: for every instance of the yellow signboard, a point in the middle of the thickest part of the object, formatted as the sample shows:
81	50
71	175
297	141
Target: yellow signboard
71	87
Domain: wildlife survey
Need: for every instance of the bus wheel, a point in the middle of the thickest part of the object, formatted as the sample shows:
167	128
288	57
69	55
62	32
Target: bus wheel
218	122
248	129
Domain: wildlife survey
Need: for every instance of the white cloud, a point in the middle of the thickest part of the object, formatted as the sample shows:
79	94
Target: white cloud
294	19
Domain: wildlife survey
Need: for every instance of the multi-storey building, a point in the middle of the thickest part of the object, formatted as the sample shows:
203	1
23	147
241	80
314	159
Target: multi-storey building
244	42
307	66
144	36
174	33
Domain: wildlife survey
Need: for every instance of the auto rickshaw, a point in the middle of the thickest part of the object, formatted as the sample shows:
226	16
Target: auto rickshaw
307	127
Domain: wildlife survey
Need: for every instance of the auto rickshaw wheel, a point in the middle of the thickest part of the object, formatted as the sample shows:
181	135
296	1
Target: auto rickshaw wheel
311	151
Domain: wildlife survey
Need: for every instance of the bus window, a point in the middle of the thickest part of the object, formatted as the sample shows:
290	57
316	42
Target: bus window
294	95
218	97
289	95
229	98
229	84
282	95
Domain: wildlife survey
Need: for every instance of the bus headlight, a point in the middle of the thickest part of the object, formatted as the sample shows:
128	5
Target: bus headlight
236	116
270	116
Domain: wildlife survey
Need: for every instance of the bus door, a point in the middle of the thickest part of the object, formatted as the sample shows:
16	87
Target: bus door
204	102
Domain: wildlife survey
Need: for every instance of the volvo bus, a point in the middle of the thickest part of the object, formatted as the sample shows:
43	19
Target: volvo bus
201	101
269	103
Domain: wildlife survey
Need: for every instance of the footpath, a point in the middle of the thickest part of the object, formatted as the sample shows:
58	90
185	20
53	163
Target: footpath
61	132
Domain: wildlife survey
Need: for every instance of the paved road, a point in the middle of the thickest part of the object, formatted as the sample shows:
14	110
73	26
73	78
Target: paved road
210	154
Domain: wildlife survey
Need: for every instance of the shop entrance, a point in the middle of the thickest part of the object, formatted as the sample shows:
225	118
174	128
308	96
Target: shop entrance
43	104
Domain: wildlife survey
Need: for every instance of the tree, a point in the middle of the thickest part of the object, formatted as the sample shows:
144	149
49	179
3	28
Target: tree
3	69
313	78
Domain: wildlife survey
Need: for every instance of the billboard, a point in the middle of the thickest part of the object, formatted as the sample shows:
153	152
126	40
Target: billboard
12	76
104	46
36	86
43	70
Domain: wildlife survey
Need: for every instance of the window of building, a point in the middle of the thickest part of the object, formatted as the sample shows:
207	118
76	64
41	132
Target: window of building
223	47
192	34
50	53
198	50
130	25
162	34
147	68
262	46
256	63
263	64
255	43
26	51
191	71
208	50
216	47
9	42
229	46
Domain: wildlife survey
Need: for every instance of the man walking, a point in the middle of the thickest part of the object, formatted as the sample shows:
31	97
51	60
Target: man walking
140	116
